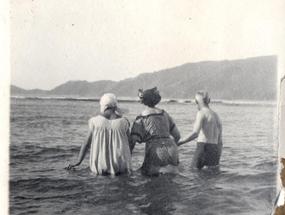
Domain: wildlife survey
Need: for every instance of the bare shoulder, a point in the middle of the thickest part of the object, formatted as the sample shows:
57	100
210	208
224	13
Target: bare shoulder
212	112
217	117
203	112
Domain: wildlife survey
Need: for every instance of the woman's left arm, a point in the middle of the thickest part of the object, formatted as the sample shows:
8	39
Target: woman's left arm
175	134
173	129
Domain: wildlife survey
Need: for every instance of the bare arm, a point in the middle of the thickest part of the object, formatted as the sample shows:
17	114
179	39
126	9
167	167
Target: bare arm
220	127
220	140
83	151
196	130
192	136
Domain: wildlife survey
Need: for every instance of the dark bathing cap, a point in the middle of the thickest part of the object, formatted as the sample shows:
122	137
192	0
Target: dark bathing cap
149	97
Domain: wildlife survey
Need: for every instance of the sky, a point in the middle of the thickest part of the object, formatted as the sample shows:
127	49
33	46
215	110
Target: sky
54	41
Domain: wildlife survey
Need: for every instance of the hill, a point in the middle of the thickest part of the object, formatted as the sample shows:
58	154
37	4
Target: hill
251	78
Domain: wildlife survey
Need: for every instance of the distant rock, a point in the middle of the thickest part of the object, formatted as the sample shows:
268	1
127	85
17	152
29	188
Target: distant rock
83	88
248	79
34	92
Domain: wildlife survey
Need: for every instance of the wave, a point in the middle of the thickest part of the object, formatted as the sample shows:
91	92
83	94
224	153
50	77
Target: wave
55	98
245	102
224	102
96	99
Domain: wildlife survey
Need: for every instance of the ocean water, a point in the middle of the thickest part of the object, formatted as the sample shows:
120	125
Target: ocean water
46	136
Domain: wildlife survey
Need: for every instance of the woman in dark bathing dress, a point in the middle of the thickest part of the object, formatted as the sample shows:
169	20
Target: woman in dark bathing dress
157	130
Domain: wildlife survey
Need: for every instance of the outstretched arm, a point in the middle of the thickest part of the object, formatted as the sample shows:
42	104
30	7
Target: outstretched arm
82	153
196	130
192	136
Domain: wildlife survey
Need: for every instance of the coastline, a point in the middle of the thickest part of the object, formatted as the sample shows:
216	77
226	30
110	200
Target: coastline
135	100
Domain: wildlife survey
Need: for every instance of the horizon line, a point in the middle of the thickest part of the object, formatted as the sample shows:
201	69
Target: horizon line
195	62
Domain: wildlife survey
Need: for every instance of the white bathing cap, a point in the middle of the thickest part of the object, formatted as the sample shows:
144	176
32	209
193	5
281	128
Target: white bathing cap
108	100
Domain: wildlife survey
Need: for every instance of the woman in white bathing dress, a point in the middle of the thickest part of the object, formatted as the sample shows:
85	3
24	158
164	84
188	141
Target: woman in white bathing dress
108	137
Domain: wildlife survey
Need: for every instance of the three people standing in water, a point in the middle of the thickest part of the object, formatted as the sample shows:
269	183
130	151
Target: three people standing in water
112	143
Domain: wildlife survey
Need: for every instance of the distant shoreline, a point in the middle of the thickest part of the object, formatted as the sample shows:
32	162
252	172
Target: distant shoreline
135	100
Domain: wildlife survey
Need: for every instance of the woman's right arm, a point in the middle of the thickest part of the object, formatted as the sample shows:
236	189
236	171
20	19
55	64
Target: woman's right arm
83	151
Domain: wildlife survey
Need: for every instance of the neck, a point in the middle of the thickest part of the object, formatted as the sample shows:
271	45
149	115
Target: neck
204	106
151	110
110	115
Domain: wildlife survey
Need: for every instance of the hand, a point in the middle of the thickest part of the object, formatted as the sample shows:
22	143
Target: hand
179	143
71	166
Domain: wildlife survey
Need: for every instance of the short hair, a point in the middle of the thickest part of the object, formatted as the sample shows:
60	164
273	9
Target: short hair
205	96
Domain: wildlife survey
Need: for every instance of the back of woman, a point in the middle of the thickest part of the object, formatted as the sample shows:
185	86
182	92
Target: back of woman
153	126
109	153
157	129
108	137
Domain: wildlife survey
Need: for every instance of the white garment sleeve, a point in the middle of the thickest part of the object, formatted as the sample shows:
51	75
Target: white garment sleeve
90	124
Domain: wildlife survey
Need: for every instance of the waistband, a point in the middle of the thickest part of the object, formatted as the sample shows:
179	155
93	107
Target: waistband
207	143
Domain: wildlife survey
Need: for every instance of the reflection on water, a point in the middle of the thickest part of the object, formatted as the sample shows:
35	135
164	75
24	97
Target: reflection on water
46	135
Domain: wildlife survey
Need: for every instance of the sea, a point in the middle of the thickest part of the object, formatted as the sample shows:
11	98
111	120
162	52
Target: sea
46	135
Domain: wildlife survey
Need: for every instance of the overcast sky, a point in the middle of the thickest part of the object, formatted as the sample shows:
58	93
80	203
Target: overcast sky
53	41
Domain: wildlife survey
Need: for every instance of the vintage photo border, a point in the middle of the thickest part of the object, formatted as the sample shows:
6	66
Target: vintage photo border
5	104
279	207
5	108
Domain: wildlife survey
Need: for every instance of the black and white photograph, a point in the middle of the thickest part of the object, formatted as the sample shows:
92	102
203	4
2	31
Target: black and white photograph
145	107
